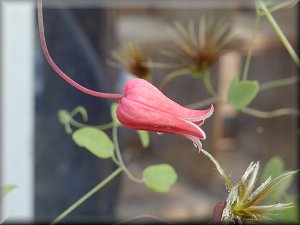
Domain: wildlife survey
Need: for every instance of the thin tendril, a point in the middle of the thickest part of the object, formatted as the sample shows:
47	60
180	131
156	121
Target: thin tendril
172	75
119	156
101	127
228	182
250	50
280	34
86	196
271	114
58	70
278	83
208	85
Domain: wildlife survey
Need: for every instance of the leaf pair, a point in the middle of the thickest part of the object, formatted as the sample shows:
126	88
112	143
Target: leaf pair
158	178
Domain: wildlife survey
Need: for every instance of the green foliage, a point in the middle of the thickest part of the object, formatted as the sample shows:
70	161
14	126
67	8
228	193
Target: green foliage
144	137
290	215
6	189
160	177
241	93
83	112
274	167
95	141
64	118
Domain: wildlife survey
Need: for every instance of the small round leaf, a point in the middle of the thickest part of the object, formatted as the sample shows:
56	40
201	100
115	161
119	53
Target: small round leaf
95	141
160	177
242	93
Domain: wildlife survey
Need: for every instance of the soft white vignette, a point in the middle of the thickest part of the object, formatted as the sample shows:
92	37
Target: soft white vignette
17	109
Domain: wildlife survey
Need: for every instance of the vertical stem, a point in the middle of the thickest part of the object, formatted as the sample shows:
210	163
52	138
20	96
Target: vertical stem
86	196
219	168
119	156
280	34
208	85
250	50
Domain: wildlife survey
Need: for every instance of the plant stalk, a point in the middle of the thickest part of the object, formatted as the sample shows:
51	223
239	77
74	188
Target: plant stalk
86	196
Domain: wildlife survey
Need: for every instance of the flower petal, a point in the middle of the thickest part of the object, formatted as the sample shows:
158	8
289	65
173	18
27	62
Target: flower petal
196	141
142	91
138	116
205	114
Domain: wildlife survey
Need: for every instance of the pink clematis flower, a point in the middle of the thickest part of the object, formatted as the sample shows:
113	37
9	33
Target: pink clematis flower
142	106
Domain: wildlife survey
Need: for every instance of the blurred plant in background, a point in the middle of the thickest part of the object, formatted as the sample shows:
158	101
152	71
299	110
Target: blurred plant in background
274	168
132	58
197	48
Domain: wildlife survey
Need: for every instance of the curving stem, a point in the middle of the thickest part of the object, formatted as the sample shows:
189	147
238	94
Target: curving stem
58	70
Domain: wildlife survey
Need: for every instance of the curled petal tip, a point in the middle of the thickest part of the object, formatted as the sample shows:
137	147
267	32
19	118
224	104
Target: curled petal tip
204	114
144	107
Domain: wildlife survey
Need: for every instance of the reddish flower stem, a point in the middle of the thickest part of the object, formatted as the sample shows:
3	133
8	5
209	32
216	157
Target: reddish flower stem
58	70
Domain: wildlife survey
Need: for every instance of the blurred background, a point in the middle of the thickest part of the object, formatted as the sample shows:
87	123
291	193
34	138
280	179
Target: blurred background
51	172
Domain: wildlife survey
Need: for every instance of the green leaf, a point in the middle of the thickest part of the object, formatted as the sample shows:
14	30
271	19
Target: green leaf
160	177
274	167
144	137
95	141
6	189
241	93
113	109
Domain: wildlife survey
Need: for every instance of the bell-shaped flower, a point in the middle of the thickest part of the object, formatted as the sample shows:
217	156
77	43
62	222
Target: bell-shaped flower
144	107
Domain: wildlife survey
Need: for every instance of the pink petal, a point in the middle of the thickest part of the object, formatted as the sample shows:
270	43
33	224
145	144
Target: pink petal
142	91
139	116
196	141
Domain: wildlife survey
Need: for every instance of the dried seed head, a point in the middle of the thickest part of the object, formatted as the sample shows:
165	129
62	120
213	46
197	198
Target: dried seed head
241	203
133	58
198	46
